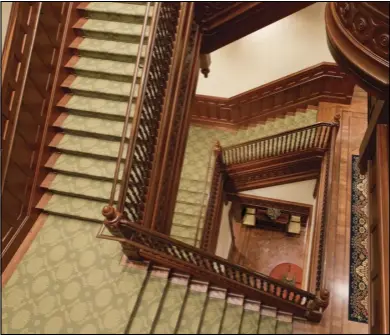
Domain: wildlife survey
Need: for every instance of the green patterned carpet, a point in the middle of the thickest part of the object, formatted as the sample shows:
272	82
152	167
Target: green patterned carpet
69	282
191	202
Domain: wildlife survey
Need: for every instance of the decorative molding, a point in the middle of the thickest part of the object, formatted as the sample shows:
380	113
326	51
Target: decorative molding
358	38
226	22
325	82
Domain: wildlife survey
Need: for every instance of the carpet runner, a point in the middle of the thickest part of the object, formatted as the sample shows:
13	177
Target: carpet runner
358	277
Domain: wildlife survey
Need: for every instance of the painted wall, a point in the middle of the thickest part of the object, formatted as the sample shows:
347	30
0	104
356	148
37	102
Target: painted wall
5	12
225	237
287	46
301	191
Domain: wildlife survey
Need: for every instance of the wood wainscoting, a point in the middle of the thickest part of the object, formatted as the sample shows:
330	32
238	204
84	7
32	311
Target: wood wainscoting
324	82
32	64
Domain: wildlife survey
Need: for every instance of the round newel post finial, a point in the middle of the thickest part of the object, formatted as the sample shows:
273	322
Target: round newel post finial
109	213
217	146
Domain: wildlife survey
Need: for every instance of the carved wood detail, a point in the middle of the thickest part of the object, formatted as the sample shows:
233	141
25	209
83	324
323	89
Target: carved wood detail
324	82
358	38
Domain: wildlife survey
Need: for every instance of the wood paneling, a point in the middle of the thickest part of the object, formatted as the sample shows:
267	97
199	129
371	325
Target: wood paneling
325	82
226	22
358	38
29	83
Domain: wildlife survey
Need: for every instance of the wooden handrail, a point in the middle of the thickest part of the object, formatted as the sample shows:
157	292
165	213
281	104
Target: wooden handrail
148	112
314	136
160	248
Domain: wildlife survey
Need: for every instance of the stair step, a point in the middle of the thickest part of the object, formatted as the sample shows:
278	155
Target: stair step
83	166
192	313
189	241
233	315
113	11
92	127
99	88
79	187
87	146
84	209
267	320
185	219
192	197
110	30
213	314
148	304
102	68
190	209
185	232
109	49
284	323
250	318
170	310
192	185
95	107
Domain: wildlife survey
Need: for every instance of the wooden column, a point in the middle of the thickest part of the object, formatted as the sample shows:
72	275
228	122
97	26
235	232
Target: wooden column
378	176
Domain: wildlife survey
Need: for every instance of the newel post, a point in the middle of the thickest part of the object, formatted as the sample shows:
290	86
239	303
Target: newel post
111	222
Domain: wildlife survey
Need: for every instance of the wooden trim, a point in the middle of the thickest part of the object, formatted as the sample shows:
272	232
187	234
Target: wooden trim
324	82
226	22
358	38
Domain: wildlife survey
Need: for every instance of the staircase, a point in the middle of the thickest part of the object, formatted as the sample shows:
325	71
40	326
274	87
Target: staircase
195	180
71	282
92	111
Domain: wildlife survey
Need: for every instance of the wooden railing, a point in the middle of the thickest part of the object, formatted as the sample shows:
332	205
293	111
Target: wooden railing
214	205
148	110
311	137
162	249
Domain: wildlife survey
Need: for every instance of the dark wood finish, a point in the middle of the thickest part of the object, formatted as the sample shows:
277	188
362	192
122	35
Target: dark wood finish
171	253
29	86
358	38
378	176
212	222
379	114
174	124
324	82
226	22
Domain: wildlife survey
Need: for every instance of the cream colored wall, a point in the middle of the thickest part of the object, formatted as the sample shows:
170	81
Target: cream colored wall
287	46
301	191
225	237
5	12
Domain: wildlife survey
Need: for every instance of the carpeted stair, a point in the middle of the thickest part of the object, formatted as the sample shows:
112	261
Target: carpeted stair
92	111
191	202
69	282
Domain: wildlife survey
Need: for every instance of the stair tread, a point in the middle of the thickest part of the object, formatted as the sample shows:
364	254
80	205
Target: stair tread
110	27
193	197
192	313
213	316
106	47
185	219
250	322
95	105
232	319
185	232
75	207
99	168
79	186
114	7
88	146
170	309
267	324
102	66
90	125
102	86
149	303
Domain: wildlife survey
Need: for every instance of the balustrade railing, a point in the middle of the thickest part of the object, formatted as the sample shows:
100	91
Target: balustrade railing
162	249
158	39
315	136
